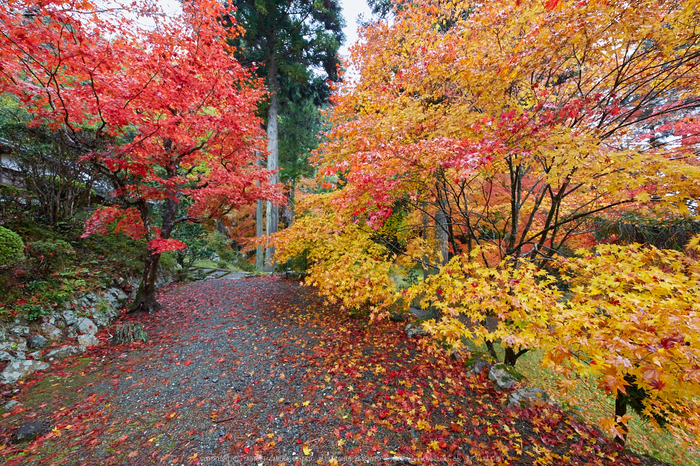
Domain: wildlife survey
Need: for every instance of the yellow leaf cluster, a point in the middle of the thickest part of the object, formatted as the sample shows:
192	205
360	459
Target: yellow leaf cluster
344	263
511	302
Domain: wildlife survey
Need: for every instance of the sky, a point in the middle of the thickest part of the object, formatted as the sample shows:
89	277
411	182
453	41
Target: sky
351	10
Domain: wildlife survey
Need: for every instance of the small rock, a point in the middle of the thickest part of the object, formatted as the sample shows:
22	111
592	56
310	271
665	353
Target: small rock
527	395
83	303
37	342
29	431
20	331
118	294
19	369
70	317
415	331
50	319
5	356
101	320
504	376
61	352
115	299
133	285
36	355
86	325
479	365
10	405
51	332
88	340
14	344
420	313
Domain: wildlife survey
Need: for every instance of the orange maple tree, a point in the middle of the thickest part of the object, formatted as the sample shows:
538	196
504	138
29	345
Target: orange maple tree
486	138
158	104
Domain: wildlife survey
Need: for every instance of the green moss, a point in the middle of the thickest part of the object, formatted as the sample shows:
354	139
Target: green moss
66	389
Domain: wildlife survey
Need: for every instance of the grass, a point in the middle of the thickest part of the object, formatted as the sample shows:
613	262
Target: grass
221	265
66	387
402	281
592	405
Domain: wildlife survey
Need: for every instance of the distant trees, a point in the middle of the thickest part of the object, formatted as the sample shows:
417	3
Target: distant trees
293	45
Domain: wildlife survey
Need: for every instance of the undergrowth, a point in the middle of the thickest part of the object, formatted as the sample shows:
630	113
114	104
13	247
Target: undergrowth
59	265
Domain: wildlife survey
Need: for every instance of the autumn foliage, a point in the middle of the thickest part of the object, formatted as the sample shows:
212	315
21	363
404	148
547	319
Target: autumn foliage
480	141
157	104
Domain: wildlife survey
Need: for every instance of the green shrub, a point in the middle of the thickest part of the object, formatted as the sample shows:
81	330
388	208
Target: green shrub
11	247
50	256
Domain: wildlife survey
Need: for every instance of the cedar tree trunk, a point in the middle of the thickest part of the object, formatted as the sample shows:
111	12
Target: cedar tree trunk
272	220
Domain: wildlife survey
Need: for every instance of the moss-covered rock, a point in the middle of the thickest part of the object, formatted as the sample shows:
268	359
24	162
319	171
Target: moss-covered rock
505	376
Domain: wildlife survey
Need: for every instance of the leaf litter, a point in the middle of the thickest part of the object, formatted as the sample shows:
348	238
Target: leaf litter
261	371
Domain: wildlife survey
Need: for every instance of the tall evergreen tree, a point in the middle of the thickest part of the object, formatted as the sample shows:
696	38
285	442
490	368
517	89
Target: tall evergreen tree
294	46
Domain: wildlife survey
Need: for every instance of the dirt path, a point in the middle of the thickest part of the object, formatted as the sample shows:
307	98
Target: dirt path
259	371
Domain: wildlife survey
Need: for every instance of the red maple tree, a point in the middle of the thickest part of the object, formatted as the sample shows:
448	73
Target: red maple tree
158	104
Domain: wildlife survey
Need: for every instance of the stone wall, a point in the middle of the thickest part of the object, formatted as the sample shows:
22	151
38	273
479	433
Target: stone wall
30	347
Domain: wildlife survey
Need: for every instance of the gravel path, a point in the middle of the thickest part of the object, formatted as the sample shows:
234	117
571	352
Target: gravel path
259	371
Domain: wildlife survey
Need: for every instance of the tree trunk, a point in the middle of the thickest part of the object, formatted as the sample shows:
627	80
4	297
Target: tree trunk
146	295
427	270
292	200
442	236
272	220
621	410
511	357
491	349
259	252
